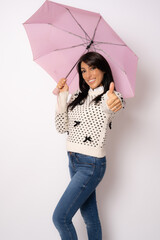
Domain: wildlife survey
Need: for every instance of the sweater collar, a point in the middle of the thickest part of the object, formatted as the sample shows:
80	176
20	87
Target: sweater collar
96	91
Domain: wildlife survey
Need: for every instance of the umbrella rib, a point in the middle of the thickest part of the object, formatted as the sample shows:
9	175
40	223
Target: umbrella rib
111	59
96	28
82	38
109	43
59	49
78	24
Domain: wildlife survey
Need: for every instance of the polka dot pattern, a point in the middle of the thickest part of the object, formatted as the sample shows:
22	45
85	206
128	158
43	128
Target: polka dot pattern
86	125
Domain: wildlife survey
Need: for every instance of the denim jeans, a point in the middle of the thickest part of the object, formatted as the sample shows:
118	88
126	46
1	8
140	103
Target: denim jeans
86	173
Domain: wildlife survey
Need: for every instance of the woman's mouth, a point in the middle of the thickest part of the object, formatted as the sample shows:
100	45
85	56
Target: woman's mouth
92	80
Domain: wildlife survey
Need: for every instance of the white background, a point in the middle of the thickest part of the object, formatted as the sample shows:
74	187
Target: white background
33	159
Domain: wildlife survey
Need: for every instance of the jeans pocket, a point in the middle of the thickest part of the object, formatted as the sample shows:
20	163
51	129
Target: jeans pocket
84	159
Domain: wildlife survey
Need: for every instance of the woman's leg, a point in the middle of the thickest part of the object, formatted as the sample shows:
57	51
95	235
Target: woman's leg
90	215
63	224
86	173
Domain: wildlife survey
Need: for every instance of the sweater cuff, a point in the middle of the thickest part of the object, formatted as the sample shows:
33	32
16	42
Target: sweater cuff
119	95
61	105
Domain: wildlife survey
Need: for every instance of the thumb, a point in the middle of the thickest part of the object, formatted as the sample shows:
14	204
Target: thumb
111	87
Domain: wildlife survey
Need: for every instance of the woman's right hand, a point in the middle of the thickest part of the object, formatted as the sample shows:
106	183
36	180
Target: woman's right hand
62	85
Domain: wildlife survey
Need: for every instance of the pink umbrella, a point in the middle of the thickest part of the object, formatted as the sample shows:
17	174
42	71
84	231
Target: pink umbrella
60	34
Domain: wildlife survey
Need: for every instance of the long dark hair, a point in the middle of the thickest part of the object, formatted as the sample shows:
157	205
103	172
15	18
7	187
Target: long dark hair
93	59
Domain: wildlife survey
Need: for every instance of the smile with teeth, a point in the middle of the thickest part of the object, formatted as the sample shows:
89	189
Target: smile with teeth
92	80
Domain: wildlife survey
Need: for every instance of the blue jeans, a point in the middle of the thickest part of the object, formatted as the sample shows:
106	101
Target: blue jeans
86	173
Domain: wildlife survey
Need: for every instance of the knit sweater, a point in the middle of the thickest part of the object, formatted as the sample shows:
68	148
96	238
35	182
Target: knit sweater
86	125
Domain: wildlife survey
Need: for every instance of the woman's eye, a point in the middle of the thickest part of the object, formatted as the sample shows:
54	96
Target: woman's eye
93	68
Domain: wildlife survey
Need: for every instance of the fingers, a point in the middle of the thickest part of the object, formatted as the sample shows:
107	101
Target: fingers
61	83
64	88
115	106
113	101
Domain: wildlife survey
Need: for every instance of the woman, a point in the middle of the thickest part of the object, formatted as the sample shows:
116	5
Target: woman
86	118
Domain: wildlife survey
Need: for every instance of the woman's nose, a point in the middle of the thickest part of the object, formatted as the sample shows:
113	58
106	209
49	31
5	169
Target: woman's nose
88	74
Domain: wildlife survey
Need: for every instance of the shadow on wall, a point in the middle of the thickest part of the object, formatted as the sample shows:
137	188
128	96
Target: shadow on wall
124	125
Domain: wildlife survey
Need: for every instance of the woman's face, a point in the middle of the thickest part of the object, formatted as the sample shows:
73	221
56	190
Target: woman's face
92	76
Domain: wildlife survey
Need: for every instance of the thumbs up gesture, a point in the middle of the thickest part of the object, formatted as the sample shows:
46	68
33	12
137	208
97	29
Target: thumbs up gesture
113	101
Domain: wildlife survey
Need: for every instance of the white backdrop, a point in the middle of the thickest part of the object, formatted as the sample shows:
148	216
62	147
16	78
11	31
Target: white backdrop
33	159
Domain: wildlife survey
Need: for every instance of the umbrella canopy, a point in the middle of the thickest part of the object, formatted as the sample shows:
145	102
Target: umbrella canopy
60	34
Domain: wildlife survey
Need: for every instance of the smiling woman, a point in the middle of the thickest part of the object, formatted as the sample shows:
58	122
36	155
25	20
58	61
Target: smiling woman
86	118
92	75
94	71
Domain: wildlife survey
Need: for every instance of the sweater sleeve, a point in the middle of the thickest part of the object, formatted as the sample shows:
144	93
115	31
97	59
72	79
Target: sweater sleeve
106	108
61	114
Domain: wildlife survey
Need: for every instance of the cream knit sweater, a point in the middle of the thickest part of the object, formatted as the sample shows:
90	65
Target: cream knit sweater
86	125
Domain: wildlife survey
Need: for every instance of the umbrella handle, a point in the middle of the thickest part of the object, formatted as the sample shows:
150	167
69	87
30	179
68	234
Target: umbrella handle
56	91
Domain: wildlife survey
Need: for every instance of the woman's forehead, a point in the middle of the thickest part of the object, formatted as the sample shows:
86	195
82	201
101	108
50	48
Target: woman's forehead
83	64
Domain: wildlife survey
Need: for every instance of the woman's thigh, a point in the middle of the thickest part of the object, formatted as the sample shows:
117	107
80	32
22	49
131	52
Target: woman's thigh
86	173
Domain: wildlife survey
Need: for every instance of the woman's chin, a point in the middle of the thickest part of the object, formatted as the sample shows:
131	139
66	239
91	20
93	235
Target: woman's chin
93	86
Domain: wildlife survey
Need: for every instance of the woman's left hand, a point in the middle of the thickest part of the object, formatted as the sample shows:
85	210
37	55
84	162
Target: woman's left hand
113	101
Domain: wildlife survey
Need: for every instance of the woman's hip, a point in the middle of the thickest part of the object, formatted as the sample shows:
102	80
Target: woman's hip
87	167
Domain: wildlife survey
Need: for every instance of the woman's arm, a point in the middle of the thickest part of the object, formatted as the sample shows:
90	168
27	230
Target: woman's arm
61	114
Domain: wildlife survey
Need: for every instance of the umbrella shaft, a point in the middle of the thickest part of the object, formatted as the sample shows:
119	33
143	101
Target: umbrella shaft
89	44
